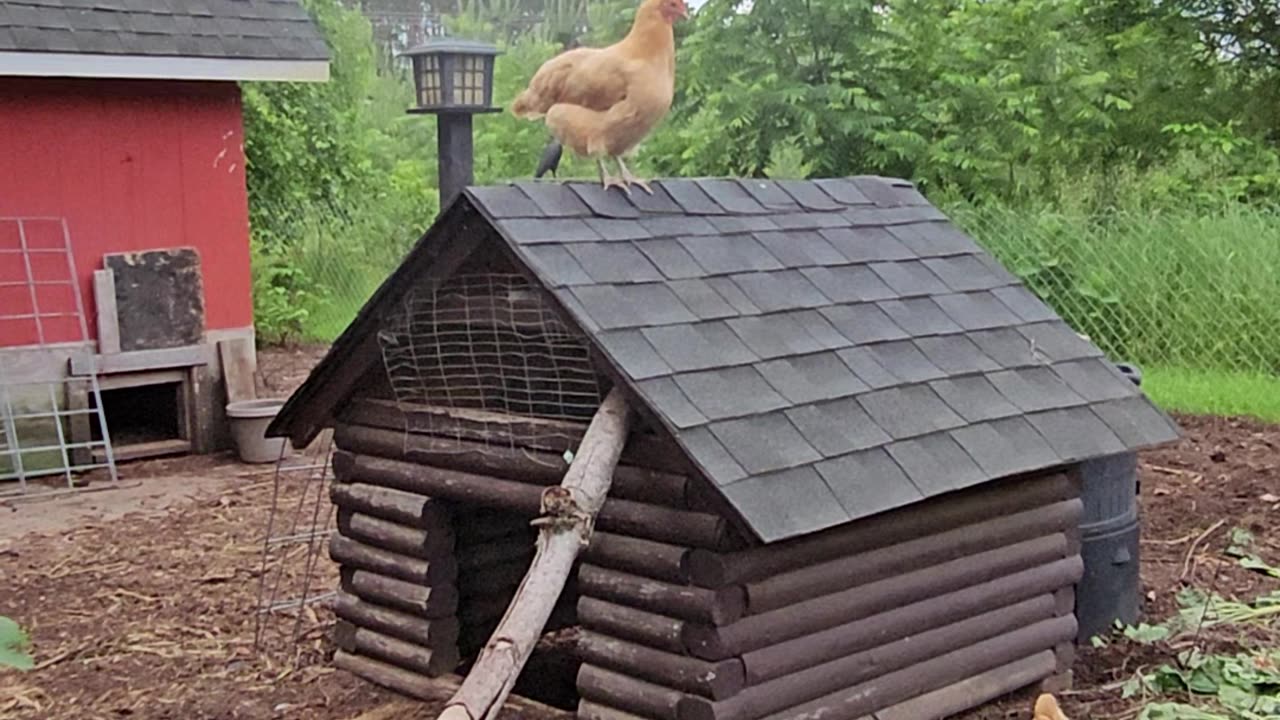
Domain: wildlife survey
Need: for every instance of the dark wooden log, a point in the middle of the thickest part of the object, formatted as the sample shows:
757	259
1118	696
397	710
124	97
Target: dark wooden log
428	545
842	640
430	661
656	631
714	680
627	693
429	602
973	691
588	710
503	461
495	430
1065	601
475	559
420	631
646	558
757	631
345	551
795	689
791	587
397	506
718	607
936	672
653	522
989	501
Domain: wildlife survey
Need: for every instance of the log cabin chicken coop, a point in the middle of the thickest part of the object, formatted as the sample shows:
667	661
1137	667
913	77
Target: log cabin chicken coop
850	489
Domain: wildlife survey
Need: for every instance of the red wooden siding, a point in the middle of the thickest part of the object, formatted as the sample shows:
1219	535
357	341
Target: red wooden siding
131	165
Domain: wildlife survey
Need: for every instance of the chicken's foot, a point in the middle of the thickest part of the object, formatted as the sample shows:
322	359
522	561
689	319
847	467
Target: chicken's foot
608	181
630	179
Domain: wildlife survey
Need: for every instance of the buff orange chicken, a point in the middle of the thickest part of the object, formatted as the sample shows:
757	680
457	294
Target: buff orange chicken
602	102
1047	708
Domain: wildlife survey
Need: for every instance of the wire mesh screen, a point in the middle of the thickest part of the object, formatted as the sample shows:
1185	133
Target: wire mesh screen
489	343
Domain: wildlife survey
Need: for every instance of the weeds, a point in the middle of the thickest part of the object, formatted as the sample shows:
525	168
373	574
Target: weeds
13	646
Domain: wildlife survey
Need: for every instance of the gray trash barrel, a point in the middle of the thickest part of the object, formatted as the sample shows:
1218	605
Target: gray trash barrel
1111	588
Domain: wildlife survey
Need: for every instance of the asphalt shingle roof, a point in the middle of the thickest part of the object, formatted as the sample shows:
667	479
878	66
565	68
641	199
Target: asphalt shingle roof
823	350
234	29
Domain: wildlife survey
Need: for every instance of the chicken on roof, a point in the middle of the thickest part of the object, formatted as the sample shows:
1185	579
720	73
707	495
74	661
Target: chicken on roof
602	102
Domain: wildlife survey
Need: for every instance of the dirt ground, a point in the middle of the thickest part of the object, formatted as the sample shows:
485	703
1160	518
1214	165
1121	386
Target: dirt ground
141	602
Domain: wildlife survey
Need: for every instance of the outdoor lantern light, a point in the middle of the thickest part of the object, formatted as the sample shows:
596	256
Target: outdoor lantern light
453	80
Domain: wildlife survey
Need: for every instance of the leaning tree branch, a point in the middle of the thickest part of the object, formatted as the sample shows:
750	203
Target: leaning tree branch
568	514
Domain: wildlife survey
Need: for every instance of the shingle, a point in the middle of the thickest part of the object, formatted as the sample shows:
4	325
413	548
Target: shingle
658	202
877	189
800	248
764	443
538	230
556	264
905	360
741	223
701	299
1006	346
674	225
886	216
730	196
1095	379
1005	447
1136	422
614	262
785	504
1024	304
604	202
869	370
729	392
909	411
909	278
633	354
936	464
554	199
863	323
724	254
932	239
1034	388
611	229
1076	434
837	427
976	310
774	336
768	194
861	245
780	290
1000	271
699	346
805	220
974	398
868	482
665	397
671	258
963	273
689	196
842	191
848	283
809	378
576	309
808	195
909	195
819	329
504	201
919	316
708	453
955	354
733	295
614	306
1057	342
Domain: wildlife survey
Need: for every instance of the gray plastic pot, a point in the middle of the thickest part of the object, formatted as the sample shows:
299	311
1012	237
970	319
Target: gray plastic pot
249	420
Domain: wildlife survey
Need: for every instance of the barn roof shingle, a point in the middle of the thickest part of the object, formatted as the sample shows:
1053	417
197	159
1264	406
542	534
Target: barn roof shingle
822	350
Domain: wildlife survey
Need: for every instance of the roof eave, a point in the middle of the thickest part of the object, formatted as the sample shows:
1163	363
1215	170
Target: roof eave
161	67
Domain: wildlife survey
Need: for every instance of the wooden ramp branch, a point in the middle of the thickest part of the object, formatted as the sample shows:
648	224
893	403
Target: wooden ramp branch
564	529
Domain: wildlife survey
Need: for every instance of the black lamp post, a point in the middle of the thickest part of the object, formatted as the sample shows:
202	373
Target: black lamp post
454	80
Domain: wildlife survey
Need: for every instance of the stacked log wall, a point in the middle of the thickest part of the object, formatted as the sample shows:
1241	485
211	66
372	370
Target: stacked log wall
943	605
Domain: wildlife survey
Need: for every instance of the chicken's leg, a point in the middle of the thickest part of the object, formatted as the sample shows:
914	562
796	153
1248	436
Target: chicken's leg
608	181
630	179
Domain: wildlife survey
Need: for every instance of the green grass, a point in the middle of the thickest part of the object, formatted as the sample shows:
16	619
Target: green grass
1205	392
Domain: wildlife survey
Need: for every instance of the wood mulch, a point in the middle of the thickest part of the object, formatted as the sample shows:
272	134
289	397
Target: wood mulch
152	615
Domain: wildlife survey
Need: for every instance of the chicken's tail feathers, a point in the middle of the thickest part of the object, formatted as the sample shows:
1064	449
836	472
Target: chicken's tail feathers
550	161
1047	708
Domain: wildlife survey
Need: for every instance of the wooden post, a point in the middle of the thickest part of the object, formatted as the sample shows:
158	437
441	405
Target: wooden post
568	513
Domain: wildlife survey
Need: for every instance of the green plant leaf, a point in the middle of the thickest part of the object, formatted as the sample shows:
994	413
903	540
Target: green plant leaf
13	646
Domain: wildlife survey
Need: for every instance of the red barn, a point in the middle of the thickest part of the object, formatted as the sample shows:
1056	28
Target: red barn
120	129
